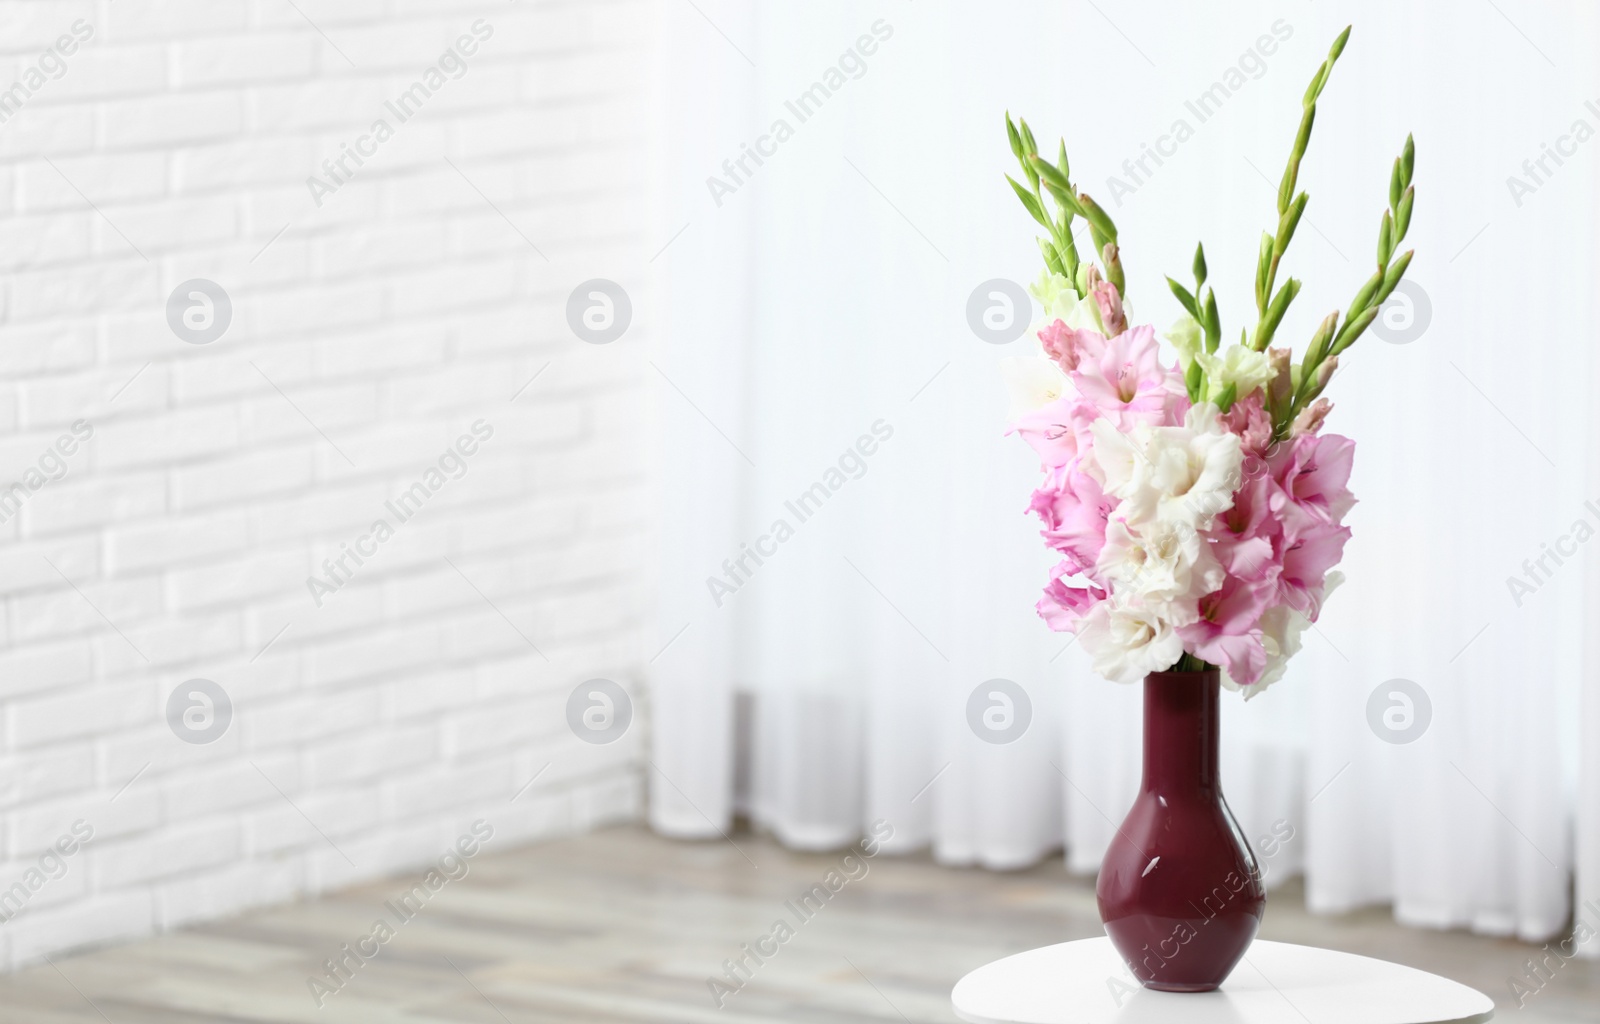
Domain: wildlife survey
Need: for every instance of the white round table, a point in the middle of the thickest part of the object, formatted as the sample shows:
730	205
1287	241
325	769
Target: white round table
1086	982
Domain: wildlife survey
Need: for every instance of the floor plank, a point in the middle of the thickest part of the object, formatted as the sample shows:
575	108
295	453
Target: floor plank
623	927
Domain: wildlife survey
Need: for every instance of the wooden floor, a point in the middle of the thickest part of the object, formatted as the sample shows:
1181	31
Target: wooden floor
624	926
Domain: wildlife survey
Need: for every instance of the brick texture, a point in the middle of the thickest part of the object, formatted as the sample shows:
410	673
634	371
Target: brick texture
152	144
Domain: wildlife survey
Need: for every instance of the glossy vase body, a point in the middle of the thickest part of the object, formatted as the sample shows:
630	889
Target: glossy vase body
1179	890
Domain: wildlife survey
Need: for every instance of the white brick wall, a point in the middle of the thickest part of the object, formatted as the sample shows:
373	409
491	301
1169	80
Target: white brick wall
176	145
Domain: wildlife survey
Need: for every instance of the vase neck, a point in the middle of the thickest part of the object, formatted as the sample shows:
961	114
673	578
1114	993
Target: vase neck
1180	731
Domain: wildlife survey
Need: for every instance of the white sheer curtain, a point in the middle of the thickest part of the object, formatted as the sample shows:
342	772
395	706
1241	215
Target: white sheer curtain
824	292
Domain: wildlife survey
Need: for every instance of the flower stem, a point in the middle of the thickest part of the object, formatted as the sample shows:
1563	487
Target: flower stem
1272	304
1329	342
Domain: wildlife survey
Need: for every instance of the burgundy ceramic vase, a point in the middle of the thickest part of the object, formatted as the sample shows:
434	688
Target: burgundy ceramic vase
1180	891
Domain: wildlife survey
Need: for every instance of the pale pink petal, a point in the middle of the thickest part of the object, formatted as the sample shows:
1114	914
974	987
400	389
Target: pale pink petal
1062	607
1243	657
1314	472
1074	511
1067	347
1110	304
1058	432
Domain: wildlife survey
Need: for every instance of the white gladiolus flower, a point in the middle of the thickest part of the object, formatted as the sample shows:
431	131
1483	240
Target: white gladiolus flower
1118	457
1165	566
1128	642
1244	368
1060	301
1184	475
1184	334
1032	382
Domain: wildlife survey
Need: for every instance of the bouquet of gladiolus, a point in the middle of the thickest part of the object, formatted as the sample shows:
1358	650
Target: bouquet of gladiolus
1197	505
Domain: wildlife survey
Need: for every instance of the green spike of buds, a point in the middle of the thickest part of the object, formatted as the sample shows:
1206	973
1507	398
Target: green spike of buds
1333	334
1402	217
1392	276
1364	296
1321	339
1338	44
1113	263
1314	89
1263	261
1056	181
1052	258
1186	300
1288	222
1353	329
1097	219
1100	241
1029	202
1029	150
1275	312
1291	172
1028	145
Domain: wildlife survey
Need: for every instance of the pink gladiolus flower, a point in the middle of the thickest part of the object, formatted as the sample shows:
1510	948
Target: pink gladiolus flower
1248	418
1074	511
1244	537
1110	304
1062	607
1228	632
1058	432
1127	381
1311	546
1310	419
1313	472
1067	347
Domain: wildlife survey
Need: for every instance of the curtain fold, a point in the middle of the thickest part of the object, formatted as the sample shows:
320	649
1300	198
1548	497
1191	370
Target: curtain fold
819	297
695	324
